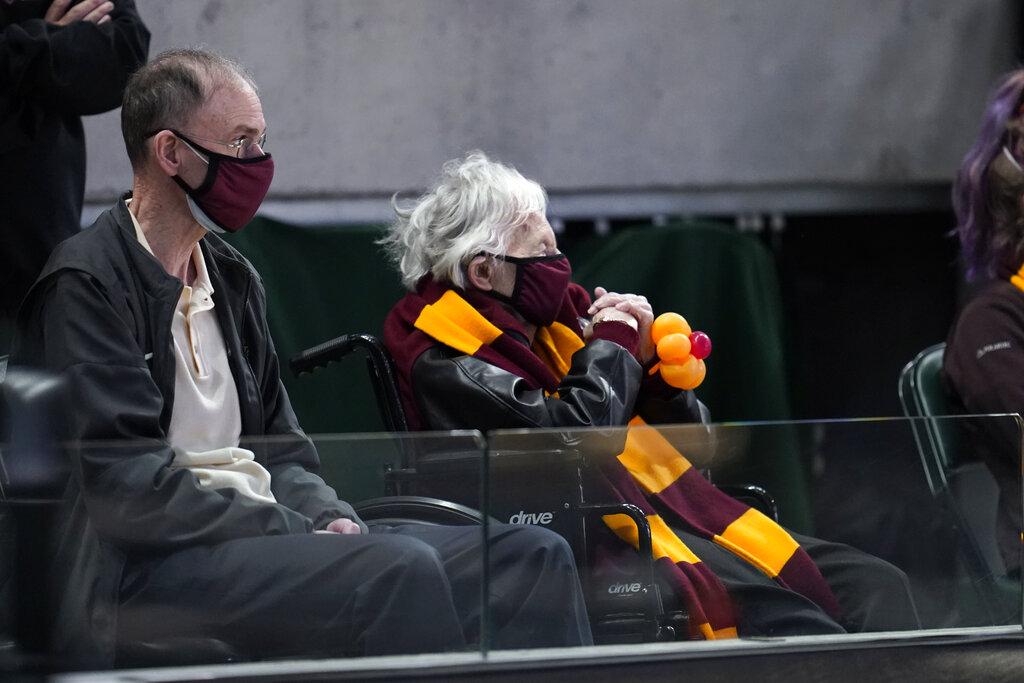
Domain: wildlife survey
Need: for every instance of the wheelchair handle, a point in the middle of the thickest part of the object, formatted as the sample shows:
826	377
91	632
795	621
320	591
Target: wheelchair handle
321	355
382	371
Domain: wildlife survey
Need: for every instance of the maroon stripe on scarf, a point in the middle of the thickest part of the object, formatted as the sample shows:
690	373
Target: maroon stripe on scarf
801	575
613	478
702	593
699	504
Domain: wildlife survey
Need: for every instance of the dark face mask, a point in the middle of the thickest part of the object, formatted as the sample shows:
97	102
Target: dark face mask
232	190
541	282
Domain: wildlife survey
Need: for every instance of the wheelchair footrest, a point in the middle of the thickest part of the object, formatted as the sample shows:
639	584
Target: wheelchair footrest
639	627
624	628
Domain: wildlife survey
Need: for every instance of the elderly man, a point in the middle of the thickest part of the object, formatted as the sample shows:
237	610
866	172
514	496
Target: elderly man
495	335
178	526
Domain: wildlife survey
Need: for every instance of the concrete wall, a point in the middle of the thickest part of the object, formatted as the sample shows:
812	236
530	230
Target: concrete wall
366	97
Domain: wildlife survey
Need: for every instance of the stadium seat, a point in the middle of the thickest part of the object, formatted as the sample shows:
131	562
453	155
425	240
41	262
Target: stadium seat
33	475
960	481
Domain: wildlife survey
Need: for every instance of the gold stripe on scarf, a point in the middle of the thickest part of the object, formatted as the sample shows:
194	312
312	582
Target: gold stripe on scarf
452	321
753	531
1018	279
664	543
720	634
556	345
650	458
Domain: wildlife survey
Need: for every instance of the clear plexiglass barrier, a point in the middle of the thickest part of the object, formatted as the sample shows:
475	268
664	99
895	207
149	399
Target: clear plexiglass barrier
684	533
585	539
147	557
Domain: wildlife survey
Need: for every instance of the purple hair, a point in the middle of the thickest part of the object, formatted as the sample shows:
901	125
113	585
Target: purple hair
983	239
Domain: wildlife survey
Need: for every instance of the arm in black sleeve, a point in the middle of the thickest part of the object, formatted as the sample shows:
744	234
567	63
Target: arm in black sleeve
660	403
984	363
456	391
132	494
81	68
293	460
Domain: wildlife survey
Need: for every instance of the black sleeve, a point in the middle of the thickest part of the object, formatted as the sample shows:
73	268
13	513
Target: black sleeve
77	69
984	364
660	403
293	460
456	391
120	453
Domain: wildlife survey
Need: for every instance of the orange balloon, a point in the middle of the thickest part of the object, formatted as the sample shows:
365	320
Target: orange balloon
687	376
674	348
669	323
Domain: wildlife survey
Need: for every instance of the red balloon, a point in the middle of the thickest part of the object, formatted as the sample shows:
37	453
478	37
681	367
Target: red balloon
700	345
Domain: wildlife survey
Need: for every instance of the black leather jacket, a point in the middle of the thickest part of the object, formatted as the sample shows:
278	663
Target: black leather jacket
100	314
605	387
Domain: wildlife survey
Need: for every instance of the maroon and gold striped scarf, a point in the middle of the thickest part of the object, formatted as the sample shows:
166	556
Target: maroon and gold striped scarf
649	473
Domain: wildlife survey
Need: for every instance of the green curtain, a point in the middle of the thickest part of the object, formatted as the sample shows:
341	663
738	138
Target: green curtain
325	281
723	283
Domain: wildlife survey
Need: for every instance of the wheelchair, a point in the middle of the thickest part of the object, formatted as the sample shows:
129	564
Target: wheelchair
626	605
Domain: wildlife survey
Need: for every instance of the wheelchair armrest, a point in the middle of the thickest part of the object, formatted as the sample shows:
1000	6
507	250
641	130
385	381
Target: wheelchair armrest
418	510
754	496
633	512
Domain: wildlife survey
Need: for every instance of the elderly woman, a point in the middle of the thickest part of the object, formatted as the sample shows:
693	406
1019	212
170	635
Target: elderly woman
481	233
984	360
494	334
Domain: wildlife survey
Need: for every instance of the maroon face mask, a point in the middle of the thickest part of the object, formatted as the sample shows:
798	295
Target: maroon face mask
232	190
541	283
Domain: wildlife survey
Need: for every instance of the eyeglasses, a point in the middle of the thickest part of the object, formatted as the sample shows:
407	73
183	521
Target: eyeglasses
242	147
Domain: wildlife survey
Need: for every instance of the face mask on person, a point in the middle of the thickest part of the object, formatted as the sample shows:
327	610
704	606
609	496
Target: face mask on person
232	190
541	282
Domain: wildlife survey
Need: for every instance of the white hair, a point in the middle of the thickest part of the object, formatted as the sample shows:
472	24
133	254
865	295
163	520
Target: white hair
474	208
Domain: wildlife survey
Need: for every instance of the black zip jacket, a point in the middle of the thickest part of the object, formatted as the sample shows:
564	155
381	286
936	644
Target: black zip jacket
100	314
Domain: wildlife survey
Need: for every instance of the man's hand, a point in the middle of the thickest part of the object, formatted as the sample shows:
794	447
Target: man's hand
633	305
341	525
95	11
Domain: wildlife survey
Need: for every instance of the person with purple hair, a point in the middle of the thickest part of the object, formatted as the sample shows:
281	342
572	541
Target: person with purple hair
984	359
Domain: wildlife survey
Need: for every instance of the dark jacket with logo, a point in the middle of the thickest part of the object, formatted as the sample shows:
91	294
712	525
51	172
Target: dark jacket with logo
984	367
50	76
100	314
